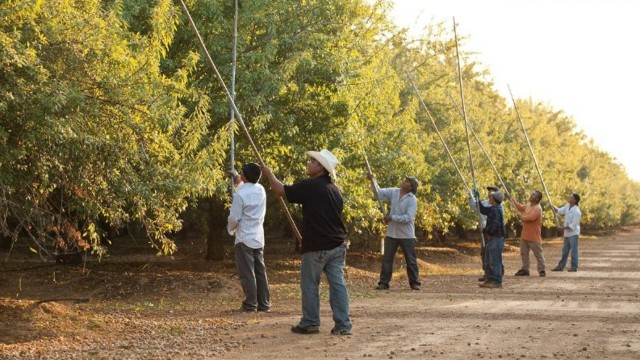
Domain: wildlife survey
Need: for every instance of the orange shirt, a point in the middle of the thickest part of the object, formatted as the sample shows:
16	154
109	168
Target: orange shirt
531	220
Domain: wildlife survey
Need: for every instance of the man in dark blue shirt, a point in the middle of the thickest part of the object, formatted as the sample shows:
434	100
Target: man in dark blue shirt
323	241
494	234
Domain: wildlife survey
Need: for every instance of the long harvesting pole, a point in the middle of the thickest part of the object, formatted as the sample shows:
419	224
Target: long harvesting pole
535	161
294	228
464	115
233	93
433	122
484	151
373	184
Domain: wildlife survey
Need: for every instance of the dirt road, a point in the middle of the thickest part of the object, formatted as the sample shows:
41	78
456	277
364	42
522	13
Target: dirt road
591	314
178	314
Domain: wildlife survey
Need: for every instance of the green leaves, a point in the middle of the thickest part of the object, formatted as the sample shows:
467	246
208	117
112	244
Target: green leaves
109	115
93	129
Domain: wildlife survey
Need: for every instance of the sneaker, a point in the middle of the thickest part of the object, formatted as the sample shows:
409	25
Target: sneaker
542	273
264	310
244	309
340	332
483	279
557	269
522	272
382	287
490	285
305	330
572	270
415	287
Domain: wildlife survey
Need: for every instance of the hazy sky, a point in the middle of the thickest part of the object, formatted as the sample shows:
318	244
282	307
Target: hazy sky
580	56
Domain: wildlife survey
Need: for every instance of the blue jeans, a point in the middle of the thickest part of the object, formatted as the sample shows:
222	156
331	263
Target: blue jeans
409	250
332	263
570	244
493	259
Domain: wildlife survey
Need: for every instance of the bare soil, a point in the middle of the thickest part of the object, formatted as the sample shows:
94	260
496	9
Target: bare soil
133	305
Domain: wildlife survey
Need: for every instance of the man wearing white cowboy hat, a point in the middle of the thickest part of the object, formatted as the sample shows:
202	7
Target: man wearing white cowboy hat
323	241
401	231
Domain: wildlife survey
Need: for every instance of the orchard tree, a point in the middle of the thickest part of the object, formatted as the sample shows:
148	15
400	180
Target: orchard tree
92	131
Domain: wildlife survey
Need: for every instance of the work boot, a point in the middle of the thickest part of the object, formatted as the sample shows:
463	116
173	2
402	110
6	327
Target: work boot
542	273
557	269
305	330
382	287
490	285
340	332
522	272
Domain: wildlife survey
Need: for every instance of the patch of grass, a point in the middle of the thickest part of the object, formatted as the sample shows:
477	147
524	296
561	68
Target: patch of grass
176	329
94	324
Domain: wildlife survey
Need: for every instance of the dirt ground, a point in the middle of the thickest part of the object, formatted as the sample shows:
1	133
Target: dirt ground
134	305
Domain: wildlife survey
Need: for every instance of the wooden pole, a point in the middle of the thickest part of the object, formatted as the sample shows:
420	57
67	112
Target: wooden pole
375	188
234	56
446	148
484	151
535	161
373	183
464	115
294	228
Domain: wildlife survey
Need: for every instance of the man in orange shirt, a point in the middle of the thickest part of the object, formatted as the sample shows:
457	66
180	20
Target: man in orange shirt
531	237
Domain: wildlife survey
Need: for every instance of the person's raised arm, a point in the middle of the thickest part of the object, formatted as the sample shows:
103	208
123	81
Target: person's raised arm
276	185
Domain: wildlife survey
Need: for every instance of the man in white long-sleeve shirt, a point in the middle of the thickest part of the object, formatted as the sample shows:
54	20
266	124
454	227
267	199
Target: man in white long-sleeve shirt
572	215
403	205
245	221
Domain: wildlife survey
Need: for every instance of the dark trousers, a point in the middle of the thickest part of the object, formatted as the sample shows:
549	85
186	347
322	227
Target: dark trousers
493	259
409	250
253	277
483	249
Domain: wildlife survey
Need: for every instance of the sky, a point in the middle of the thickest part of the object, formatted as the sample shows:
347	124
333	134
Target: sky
579	56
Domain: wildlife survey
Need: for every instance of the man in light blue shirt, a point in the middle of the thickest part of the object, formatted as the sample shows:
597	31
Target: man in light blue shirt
403	205
245	221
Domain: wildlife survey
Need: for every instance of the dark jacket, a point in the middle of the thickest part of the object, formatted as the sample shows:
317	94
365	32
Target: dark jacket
495	221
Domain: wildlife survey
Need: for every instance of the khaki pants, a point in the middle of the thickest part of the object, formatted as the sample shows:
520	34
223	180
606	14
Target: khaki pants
536	247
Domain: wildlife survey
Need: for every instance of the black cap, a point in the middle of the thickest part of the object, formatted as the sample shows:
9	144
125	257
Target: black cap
493	188
577	197
251	172
414	183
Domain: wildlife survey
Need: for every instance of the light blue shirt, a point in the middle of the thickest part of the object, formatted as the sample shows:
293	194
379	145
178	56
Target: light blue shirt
247	215
402	211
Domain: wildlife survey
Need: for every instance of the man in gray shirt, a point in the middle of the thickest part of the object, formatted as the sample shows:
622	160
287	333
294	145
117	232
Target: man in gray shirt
403	205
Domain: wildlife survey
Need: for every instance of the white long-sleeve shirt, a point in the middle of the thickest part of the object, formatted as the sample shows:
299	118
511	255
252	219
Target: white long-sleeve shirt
572	216
247	215
402	211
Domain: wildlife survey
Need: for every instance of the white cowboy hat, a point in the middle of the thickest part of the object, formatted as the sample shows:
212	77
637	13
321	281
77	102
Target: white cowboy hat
326	159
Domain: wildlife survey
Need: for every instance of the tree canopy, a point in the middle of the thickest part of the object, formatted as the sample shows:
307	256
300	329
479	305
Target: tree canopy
109	116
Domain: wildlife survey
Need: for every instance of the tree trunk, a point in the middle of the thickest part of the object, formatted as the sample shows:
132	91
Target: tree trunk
217	222
460	231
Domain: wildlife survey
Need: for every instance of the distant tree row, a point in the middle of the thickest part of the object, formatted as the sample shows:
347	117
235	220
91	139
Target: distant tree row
110	116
